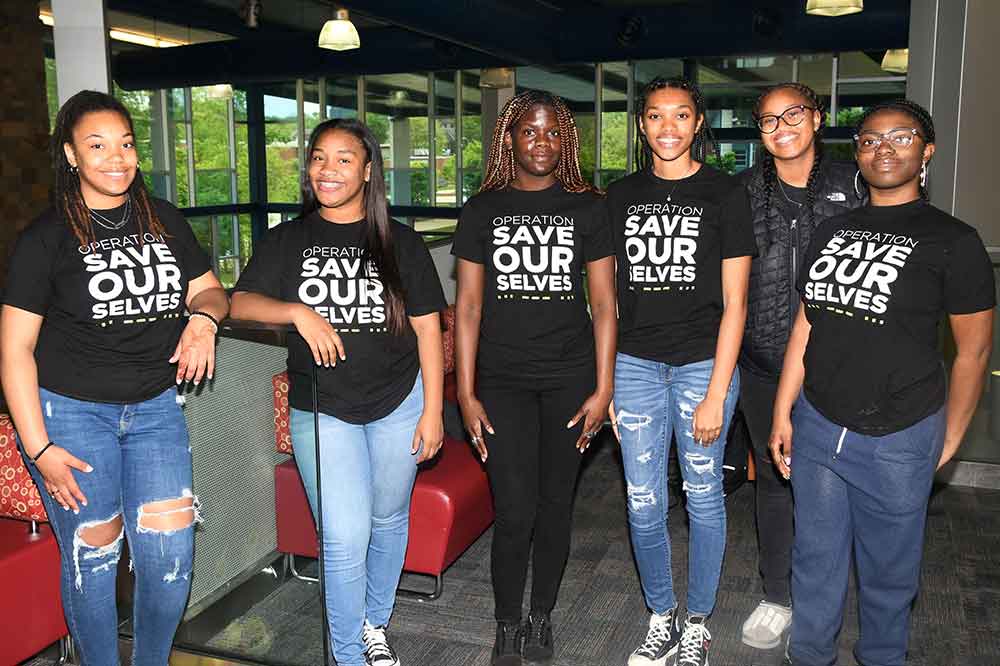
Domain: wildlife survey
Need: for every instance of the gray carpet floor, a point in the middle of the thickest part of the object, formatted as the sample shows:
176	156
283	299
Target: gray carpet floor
600	615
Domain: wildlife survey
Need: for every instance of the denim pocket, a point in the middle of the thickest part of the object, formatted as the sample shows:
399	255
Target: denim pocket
916	444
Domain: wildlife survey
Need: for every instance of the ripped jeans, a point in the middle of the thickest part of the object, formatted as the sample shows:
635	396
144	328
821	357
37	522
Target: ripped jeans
653	400
140	490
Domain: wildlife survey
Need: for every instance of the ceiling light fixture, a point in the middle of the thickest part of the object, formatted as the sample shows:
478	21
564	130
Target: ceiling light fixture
339	34
132	37
250	13
896	61
497	77
220	91
834	7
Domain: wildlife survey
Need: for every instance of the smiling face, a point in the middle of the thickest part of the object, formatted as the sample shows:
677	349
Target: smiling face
789	141
670	122
891	166
536	142
338	171
104	151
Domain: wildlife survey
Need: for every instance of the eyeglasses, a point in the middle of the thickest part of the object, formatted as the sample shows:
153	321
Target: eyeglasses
793	115
899	138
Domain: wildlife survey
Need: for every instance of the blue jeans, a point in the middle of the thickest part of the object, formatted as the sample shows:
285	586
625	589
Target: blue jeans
655	400
866	495
140	455
368	473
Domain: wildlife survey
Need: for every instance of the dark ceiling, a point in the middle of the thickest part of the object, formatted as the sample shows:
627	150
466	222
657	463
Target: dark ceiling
429	35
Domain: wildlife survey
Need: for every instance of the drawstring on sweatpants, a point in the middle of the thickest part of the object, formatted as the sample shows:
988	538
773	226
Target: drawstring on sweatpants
840	442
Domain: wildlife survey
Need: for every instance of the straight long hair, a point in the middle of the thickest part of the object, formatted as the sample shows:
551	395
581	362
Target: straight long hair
377	246
66	194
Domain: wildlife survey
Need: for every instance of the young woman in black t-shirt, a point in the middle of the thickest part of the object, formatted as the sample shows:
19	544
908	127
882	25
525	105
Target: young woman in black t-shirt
533	384
684	245
877	417
93	338
364	297
792	189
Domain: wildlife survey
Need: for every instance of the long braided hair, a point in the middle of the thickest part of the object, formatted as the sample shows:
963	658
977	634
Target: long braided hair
769	171
66	194
702	144
501	166
919	114
377	244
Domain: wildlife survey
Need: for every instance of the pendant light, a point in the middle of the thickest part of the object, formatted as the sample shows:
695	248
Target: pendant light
834	7
497	77
896	61
339	34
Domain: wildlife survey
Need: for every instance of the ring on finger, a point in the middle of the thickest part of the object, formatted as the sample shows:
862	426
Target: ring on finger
590	435
476	439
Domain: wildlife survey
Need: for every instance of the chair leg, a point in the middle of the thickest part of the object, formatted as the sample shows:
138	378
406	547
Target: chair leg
409	593
295	572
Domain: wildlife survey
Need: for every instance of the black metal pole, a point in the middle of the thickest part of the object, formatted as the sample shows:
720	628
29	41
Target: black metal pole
319	518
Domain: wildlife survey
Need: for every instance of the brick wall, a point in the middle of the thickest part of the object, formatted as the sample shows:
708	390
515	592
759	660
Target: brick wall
25	170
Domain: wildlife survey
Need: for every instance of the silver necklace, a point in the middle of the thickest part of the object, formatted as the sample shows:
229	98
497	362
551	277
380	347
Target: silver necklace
785	194
678	182
108	224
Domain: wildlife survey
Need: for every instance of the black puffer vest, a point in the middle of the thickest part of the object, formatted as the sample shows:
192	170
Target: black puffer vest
772	302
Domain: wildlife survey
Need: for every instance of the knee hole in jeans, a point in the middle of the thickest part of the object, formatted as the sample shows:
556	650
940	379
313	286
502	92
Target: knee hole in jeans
168	516
98	544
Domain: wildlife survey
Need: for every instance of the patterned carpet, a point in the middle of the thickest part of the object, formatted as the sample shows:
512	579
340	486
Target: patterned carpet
600	615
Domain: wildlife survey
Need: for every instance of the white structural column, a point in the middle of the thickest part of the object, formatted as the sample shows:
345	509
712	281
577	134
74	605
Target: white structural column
492	103
952	72
81	45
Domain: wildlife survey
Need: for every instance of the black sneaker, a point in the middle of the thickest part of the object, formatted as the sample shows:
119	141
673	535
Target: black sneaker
507	649
538	648
695	642
661	642
378	652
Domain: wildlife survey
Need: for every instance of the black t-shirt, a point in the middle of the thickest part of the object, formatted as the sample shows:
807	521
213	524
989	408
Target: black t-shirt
875	283
535	323
113	310
319	263
670	238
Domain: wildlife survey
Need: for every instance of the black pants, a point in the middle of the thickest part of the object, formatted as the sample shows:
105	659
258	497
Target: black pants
774	494
532	466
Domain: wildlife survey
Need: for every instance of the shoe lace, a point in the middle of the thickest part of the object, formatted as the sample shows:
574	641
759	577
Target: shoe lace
693	643
655	638
536	628
376	643
511	638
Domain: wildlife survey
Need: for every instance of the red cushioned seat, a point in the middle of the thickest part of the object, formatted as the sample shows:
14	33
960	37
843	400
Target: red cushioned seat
31	614
450	509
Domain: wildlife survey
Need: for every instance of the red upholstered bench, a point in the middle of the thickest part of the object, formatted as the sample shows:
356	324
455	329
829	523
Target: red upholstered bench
450	509
31	614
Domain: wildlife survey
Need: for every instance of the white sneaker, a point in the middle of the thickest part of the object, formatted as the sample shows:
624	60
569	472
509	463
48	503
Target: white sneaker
378	652
766	625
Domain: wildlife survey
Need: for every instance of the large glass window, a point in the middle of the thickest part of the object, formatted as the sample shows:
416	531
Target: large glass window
616	122
472	134
281	137
214	148
445	145
341	97
397	110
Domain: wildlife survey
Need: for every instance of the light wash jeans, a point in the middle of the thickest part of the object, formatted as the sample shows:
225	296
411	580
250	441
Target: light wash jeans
653	401
368	473
139	454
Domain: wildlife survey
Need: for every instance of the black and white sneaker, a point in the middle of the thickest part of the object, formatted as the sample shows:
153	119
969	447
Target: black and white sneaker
378	652
661	642
695	642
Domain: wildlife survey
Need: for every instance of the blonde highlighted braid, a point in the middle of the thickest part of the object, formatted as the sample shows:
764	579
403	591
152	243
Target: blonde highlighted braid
501	166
